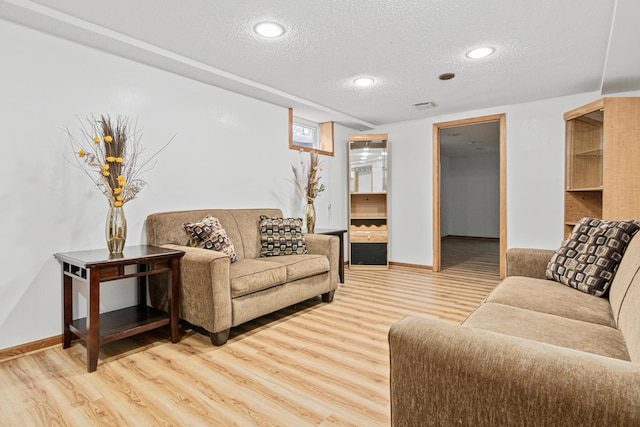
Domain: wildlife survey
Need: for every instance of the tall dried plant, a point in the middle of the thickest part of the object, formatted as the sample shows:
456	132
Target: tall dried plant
311	186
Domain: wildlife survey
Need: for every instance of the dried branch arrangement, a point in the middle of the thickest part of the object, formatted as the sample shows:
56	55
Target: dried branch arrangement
312	186
110	153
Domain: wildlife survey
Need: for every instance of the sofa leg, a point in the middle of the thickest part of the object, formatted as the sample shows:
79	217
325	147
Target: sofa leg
219	338
328	297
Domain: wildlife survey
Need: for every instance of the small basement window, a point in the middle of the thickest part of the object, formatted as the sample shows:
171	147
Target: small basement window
306	135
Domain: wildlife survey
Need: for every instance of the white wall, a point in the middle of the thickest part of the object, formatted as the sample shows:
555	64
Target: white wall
230	151
470	195
535	176
410	183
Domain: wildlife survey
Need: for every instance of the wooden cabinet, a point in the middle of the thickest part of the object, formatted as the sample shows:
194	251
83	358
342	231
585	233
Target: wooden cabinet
602	161
368	201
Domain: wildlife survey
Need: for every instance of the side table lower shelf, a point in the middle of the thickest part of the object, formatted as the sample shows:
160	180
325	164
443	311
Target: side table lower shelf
122	323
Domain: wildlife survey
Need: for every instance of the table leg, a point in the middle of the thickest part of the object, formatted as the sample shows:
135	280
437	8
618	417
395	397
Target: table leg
174	289
93	321
142	285
341	266
67	289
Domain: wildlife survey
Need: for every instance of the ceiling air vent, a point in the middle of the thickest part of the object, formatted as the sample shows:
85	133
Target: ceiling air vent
424	105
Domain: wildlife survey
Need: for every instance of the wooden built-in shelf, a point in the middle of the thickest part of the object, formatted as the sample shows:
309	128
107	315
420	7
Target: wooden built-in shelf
368	202
368	205
585	189
602	177
590	153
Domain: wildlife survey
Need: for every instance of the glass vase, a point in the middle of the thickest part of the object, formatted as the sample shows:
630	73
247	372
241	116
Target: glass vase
116	230
311	218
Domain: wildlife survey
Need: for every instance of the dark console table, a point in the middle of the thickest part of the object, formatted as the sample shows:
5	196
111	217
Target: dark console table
95	267
340	234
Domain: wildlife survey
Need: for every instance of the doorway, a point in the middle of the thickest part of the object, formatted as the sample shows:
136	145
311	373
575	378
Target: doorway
438	135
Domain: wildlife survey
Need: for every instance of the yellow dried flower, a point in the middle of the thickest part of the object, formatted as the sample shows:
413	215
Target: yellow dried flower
106	173
96	139
105	167
117	190
82	153
121	178
111	159
119	159
120	198
108	138
117	204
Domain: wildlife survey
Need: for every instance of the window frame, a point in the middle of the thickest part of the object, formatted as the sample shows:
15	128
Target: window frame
324	135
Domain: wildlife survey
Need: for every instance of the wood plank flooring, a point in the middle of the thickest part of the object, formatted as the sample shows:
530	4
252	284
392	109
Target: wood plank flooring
315	364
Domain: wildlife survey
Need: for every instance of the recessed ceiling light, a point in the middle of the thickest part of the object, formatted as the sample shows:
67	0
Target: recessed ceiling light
480	52
364	81
269	29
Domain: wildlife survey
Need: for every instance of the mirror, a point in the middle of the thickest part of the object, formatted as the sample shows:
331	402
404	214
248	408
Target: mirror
368	166
305	135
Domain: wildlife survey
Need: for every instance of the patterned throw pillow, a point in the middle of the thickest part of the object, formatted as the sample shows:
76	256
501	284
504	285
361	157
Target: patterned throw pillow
281	236
589	258
209	234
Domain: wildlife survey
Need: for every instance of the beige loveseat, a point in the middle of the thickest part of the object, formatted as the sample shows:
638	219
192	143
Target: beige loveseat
535	353
216	294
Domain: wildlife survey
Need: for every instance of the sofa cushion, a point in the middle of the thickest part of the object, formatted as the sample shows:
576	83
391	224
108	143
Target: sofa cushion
281	236
629	320
627	272
551	297
302	266
589	258
252	275
209	234
550	329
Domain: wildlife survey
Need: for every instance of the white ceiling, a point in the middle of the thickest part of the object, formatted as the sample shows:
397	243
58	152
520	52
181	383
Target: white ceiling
544	49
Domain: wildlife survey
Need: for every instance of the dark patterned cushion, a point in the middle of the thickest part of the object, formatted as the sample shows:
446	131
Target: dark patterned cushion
209	234
589	258
281	236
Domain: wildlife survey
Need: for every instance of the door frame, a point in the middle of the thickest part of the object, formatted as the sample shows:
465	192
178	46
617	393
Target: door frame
437	233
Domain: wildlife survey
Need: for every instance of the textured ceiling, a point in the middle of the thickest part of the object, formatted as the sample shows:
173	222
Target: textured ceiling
544	49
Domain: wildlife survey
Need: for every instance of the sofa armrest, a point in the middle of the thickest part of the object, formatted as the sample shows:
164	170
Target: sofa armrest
444	374
329	245
528	262
205	289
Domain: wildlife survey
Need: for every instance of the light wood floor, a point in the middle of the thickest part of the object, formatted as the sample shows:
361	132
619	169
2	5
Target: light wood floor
313	365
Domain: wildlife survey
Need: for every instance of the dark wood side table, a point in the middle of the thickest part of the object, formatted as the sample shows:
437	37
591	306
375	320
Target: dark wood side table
95	267
340	234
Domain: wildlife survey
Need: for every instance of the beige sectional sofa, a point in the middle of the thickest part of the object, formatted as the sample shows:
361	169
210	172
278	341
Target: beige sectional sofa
535	353
216	294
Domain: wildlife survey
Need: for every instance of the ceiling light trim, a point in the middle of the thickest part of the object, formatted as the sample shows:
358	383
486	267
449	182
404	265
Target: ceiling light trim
480	52
364	81
269	29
